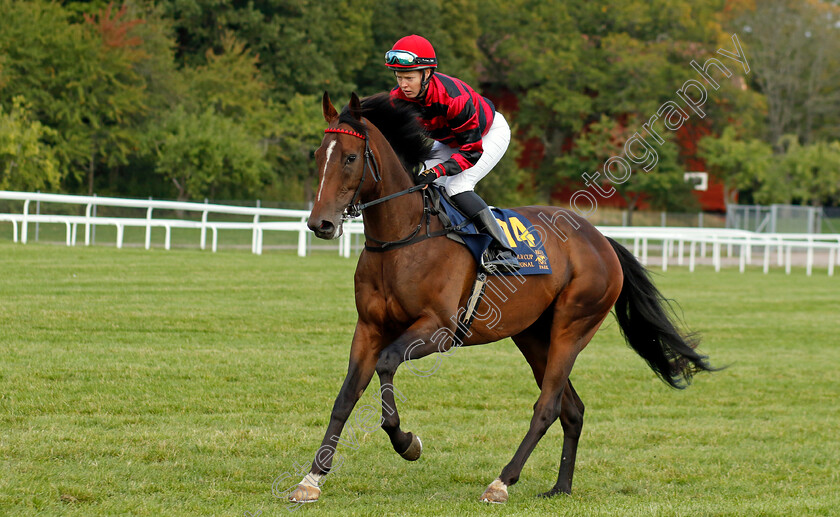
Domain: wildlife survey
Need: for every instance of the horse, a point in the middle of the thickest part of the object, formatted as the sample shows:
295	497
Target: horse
403	301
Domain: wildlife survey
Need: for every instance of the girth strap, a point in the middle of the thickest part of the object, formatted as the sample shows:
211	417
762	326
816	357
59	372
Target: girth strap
469	313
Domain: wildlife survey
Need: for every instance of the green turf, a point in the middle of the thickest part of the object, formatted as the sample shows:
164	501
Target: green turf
181	382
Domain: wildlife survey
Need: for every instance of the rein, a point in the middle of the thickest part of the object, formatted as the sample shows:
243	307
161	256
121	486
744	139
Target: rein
354	209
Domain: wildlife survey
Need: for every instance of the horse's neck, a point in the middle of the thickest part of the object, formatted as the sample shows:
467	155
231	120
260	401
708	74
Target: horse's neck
398	217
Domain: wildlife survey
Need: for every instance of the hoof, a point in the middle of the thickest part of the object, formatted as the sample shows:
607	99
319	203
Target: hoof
555	491
495	493
414	450
305	494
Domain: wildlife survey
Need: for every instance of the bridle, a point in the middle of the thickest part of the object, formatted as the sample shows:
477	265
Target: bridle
354	209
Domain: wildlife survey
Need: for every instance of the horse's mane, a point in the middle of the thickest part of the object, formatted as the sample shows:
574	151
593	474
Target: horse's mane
397	121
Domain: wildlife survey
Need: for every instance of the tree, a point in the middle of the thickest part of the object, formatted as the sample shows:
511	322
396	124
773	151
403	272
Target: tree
27	162
298	131
78	79
794	49
112	91
738	164
807	174
205	155
229	84
663	186
572	63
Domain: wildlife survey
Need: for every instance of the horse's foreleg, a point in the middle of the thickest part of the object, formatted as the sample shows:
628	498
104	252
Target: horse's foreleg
363	357
408	347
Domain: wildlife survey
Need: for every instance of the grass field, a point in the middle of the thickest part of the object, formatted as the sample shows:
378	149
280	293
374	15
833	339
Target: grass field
181	382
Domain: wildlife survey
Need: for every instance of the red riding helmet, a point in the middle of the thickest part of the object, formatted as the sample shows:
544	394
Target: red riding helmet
411	53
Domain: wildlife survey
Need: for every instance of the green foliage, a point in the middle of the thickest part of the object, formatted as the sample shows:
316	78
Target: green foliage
165	86
794	47
206	154
738	164
808	174
26	161
79	80
663	187
298	131
229	84
103	76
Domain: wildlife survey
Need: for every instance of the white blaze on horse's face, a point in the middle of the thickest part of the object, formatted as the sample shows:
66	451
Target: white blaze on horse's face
326	162
339	166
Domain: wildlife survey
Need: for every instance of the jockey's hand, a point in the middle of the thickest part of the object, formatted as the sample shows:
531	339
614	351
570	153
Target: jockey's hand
425	177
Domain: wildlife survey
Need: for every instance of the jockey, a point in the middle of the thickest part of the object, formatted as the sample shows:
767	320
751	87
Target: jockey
470	137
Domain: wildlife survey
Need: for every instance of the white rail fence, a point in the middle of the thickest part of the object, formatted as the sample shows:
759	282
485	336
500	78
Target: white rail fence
676	246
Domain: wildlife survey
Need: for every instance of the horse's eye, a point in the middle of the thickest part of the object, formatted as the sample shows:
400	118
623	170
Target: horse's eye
351	158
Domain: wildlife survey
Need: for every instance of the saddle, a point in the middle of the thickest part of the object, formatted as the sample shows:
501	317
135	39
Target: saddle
521	234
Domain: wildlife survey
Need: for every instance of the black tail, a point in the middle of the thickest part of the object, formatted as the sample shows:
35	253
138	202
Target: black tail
643	315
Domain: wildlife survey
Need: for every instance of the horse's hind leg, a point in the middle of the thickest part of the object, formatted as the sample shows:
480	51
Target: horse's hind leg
534	347
570	333
571	418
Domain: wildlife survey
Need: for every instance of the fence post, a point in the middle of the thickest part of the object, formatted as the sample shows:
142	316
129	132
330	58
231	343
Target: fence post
787	259
257	233
37	212
88	208
203	244
23	222
149	226
301	251
93	226
254	235
742	259
809	261
691	257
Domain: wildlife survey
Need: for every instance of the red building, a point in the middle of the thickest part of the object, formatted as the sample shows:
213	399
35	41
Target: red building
711	198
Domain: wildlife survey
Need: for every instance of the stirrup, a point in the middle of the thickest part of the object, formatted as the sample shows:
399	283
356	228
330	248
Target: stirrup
503	261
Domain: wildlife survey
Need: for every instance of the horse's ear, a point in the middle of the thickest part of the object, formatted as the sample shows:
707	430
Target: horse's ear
355	106
330	113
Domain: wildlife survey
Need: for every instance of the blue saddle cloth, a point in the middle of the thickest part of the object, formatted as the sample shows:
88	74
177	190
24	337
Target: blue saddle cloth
518	229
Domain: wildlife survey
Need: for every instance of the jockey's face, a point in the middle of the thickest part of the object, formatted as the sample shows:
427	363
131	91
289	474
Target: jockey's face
410	82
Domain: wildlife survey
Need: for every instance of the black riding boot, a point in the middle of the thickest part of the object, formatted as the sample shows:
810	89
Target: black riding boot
501	255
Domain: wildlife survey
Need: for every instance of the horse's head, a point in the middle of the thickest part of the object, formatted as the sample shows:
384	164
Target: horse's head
341	164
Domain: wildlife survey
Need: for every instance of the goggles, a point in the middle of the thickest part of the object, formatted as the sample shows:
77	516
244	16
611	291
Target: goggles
406	58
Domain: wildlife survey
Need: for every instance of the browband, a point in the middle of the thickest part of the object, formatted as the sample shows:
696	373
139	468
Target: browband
346	132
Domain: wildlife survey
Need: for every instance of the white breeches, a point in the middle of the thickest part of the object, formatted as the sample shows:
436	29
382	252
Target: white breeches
494	143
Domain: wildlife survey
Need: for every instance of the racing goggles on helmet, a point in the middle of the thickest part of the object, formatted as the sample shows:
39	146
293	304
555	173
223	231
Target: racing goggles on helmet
406	58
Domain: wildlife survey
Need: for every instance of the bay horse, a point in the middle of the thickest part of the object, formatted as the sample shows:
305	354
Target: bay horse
404	298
